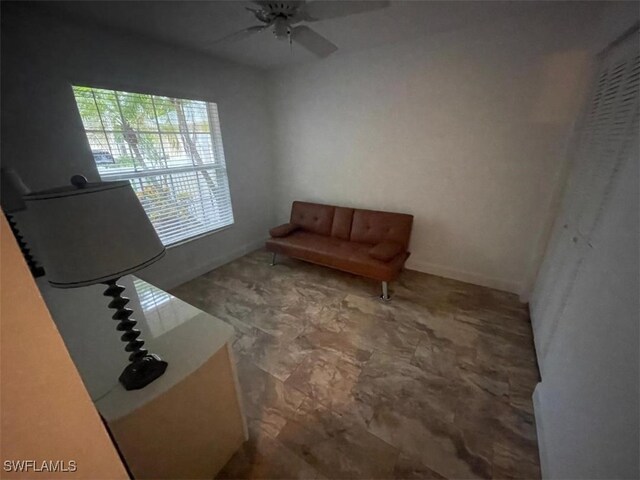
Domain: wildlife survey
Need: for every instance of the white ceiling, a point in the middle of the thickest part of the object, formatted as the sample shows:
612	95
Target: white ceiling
198	24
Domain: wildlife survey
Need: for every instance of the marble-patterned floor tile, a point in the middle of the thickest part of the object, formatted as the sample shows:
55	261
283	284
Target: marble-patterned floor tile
316	293
267	459
501	354
389	383
511	463
371	326
326	378
487	304
527	376
449	451
366	305
493	381
336	447
438	294
439	328
436	383
276	355
276	322
478	410
325	318
498	322
521	398
268	403
414	411
499	422
410	467
250	292
517	428
522	383
440	446
335	342
436	358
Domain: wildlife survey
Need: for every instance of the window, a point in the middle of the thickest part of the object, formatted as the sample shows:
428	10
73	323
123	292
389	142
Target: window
170	149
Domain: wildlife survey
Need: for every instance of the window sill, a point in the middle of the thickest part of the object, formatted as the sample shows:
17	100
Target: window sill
197	237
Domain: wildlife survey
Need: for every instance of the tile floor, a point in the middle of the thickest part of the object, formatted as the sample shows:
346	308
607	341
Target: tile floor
436	383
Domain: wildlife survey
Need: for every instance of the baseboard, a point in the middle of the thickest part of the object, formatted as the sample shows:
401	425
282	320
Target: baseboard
542	450
525	294
442	271
412	264
183	277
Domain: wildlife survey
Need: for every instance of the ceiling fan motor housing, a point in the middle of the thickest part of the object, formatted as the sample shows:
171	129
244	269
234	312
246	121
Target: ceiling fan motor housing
281	8
281	15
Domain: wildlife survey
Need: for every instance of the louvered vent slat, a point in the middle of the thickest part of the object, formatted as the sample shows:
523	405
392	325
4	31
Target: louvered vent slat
611	125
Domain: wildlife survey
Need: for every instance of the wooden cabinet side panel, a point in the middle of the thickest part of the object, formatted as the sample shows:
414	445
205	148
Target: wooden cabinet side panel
47	414
191	431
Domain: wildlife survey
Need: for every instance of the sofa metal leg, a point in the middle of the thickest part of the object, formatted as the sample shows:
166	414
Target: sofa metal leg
385	292
273	259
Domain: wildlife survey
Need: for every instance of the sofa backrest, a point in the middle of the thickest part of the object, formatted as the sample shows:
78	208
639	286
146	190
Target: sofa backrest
356	225
370	226
342	219
313	217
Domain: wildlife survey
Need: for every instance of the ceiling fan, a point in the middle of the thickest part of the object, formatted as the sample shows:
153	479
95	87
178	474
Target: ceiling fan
286	15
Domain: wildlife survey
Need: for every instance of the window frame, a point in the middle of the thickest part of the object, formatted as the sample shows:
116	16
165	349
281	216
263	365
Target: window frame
159	92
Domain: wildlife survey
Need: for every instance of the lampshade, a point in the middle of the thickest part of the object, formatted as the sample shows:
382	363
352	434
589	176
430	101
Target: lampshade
12	191
90	233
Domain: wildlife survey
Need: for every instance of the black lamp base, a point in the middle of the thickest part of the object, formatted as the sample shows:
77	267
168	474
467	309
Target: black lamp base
145	367
36	270
140	373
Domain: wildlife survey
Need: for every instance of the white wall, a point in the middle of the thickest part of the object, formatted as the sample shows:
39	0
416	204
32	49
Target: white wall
466	130
43	138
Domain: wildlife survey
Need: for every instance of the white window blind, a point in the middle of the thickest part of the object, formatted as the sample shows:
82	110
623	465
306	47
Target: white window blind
170	149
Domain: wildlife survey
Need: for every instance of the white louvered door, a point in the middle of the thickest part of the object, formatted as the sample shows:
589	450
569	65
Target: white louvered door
608	133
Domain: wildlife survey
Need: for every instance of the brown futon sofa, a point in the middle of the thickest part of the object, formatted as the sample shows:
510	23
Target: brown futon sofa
363	242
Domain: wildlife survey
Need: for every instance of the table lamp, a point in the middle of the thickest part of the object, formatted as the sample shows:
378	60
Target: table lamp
90	233
11	193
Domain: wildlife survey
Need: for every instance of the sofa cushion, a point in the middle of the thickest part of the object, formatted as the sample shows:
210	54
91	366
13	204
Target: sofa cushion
342	219
336	253
375	227
385	251
283	230
312	217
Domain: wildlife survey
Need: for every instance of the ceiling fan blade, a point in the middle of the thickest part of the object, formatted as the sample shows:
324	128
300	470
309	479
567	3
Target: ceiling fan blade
325	9
242	34
312	41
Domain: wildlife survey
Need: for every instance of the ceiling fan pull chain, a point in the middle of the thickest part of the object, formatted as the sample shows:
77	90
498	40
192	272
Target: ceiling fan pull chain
290	44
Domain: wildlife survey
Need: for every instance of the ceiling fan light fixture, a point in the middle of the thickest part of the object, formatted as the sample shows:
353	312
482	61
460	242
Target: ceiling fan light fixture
281	28
286	15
